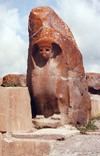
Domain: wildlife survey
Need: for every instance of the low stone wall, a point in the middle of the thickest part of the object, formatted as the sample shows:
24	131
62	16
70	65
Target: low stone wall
26	147
15	110
15	117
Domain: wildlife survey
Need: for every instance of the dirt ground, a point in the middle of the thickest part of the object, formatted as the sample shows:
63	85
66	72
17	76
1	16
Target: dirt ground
78	145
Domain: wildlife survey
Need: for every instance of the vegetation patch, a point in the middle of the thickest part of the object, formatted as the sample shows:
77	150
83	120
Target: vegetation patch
38	126
10	84
96	117
90	126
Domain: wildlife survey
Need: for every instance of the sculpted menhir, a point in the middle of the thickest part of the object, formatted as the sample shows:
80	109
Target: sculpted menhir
55	74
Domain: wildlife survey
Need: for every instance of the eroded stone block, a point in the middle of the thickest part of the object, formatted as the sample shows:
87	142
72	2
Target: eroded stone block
4	109
95	105
0	144
55	74
15	110
19	110
27	147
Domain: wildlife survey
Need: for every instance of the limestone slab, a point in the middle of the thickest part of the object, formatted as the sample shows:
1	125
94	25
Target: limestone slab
51	122
19	110
26	147
4	104
15	110
48	134
95	105
0	144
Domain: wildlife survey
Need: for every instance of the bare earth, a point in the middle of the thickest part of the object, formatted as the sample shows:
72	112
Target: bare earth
78	145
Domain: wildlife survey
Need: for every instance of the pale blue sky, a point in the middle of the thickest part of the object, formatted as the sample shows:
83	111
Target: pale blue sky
83	18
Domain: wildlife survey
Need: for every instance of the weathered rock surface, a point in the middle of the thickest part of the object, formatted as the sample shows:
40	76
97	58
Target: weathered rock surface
4	109
78	145
27	147
1	81
48	134
15	110
14	80
0	144
55	74
74	145
95	105
93	80
51	122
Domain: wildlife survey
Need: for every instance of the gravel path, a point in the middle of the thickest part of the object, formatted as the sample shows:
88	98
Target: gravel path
78	145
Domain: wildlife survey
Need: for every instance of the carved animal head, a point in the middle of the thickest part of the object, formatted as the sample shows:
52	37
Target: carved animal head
45	50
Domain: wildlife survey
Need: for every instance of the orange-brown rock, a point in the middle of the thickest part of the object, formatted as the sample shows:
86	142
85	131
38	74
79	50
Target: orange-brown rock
14	80
15	110
93	80
55	74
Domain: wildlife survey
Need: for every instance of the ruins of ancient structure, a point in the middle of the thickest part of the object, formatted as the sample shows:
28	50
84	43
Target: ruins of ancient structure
57	89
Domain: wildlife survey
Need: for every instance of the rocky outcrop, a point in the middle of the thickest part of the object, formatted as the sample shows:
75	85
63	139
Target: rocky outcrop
15	110
14	80
55	74
93	80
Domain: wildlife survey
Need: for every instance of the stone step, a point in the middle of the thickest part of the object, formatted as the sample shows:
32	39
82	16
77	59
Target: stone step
51	122
26	147
47	134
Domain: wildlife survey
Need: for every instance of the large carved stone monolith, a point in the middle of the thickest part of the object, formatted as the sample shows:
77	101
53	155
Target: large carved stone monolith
55	74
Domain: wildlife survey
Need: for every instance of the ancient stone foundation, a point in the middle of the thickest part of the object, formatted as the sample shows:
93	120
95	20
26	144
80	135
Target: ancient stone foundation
15	110
55	74
18	138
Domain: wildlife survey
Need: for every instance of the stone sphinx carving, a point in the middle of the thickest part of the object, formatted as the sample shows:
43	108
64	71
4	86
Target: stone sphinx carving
55	74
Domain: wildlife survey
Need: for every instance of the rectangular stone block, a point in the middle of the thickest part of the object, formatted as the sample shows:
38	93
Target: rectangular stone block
20	118
95	105
4	105
27	147
0	144
15	110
